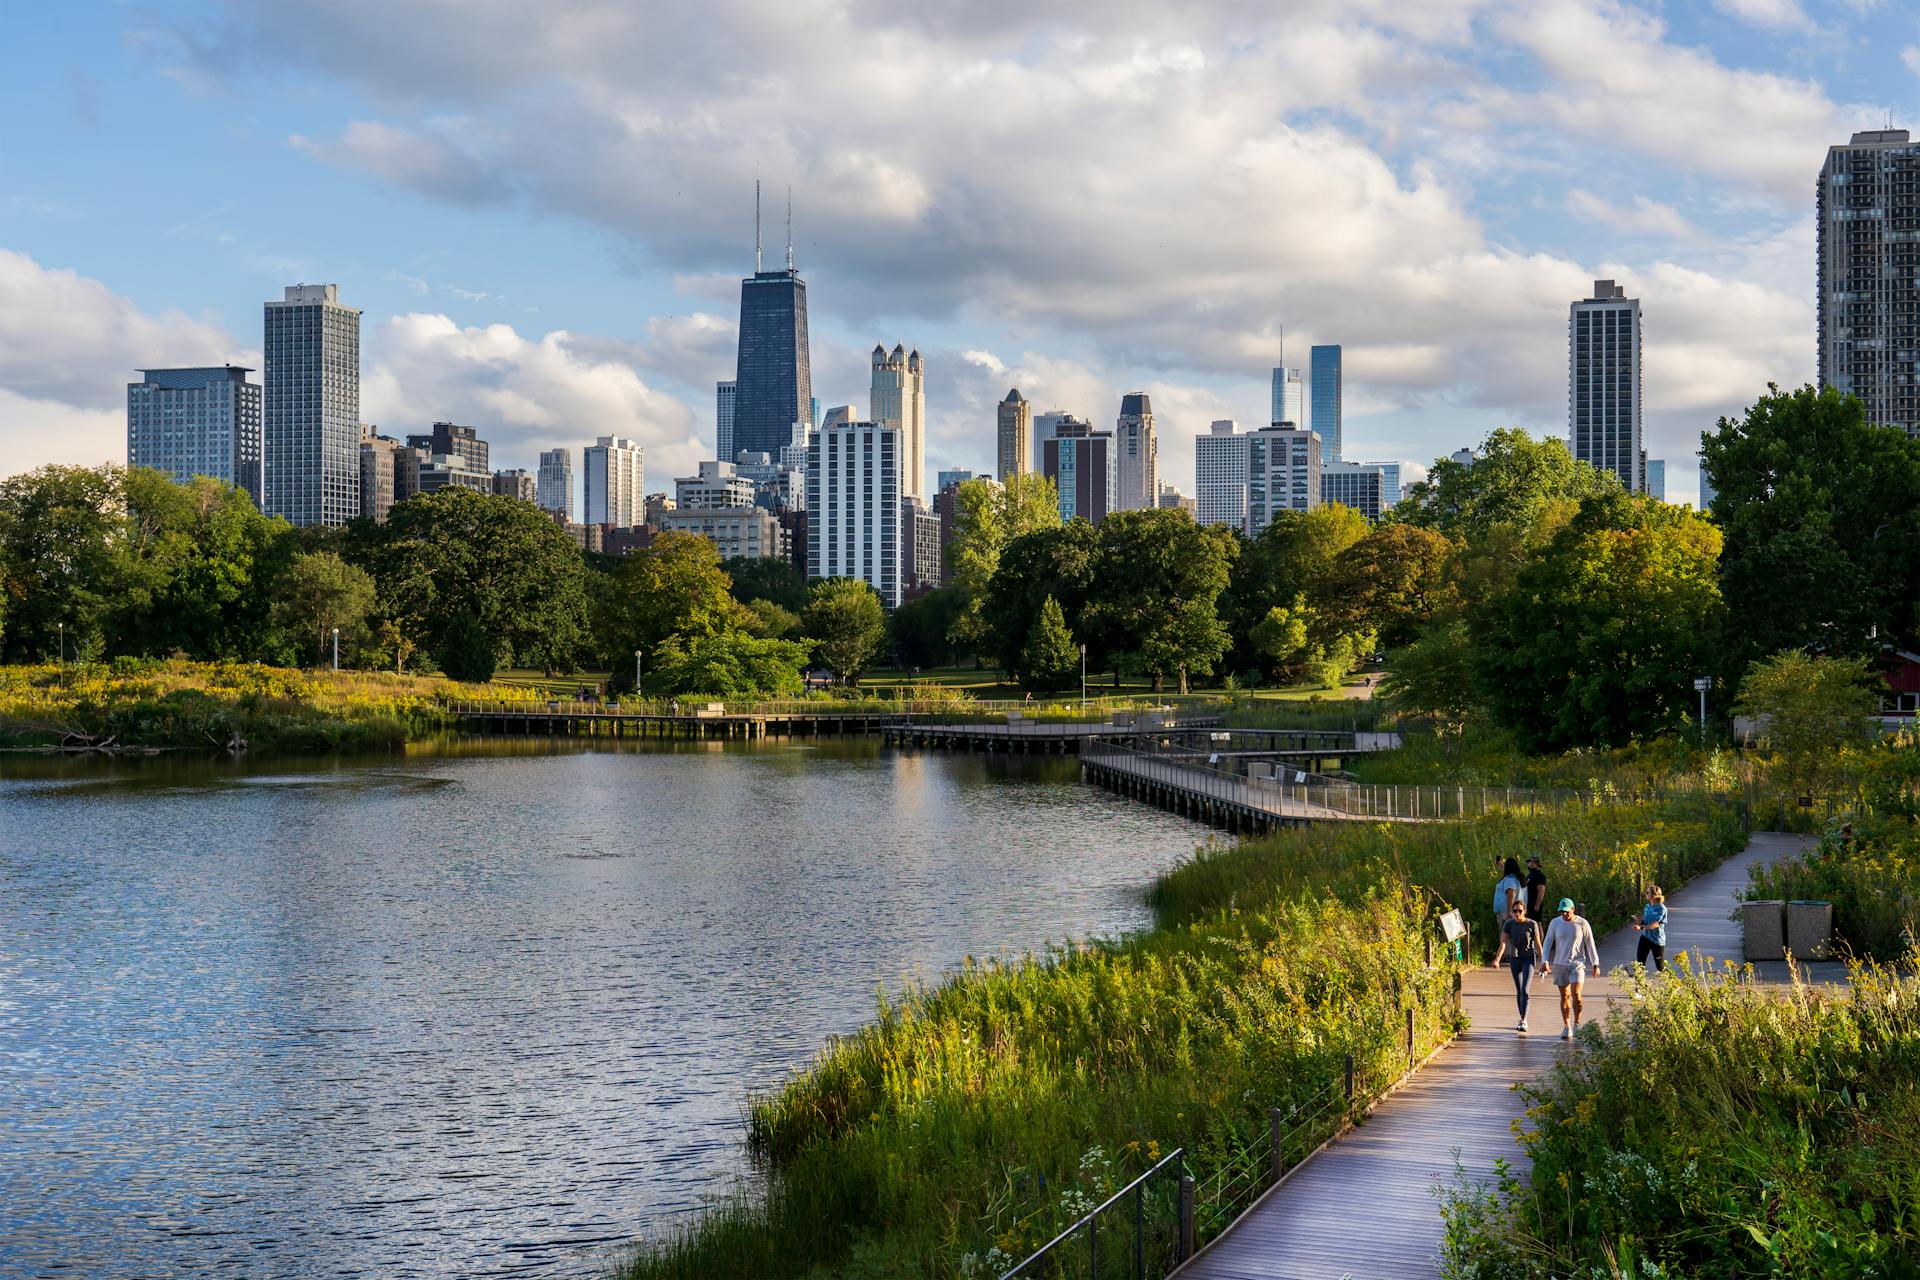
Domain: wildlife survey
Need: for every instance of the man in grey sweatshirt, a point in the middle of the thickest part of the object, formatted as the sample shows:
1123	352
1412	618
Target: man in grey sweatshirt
1570	952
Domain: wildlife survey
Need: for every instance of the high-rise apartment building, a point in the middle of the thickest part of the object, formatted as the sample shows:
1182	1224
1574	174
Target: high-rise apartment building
1657	479
723	420
1706	487
734	531
1603	384
380	474
616	476
1867	208
447	440
1289	398
1171	499
1080	462
1283	474
1044	427
1359	485
1324	368
518	483
776	486
197	422
1137	450
310	407
899	399
1014	437
853	506
1220	475
719	486
556	483
773	377
945	480
920	566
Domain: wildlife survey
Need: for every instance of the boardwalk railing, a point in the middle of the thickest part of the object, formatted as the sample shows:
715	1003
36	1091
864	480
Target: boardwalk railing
1149	1231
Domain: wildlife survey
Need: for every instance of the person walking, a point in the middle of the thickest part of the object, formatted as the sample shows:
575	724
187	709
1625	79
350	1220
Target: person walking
1569	953
1521	935
1510	890
1536	890
1652	928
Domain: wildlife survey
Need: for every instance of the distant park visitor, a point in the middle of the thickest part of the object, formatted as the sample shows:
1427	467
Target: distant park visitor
1652	928
1570	952
1509	891
1536	889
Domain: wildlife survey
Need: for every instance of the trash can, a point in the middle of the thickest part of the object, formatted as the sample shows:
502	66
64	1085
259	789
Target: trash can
1810	929
1764	924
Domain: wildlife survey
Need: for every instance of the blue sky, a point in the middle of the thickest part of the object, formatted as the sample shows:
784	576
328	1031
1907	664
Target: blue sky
544	210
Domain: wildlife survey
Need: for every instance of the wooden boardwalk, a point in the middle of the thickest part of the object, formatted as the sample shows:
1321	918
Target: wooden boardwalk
1365	1206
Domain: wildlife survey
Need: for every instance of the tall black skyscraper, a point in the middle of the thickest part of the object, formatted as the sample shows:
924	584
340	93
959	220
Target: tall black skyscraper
773	383
1869	267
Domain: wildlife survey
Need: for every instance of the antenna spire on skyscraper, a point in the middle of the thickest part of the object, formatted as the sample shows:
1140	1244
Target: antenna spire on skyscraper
789	228
756	224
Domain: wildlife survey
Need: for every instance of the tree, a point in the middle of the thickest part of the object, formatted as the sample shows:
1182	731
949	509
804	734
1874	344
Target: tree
1821	514
466	653
847	625
917	630
1288	566
1051	659
1601	637
1157	580
1280	638
767	578
208	563
674	587
1510	479
987	516
60	559
1433	678
727	664
318	592
1393	581
1046	564
1809	710
769	621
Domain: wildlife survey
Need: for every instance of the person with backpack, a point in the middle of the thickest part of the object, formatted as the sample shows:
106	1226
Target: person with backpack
1510	890
1520	936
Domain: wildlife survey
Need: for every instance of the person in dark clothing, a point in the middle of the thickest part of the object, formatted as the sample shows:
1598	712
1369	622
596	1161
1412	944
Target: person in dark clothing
1536	890
1520	938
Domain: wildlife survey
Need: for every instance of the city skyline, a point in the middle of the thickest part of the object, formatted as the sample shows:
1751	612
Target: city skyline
501	288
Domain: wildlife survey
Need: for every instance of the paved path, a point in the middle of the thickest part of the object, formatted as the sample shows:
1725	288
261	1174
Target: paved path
1365	1206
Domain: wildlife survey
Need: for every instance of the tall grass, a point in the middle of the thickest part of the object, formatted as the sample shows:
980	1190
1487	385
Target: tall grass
1717	1129
1869	871
972	1121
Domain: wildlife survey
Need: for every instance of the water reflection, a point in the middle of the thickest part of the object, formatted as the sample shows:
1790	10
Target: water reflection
476	1010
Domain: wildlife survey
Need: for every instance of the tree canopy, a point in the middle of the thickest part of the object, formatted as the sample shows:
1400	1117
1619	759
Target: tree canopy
1511	478
845	620
1157	579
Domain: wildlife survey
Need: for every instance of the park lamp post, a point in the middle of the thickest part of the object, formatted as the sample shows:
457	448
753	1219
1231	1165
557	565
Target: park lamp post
63	653
1083	679
336	648
1702	684
636	673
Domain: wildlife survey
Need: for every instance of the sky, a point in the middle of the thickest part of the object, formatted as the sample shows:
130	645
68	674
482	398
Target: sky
544	210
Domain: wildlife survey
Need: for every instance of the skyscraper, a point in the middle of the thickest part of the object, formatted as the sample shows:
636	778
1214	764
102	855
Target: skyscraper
197	422
517	482
1325	368
616	490
311	407
1868	263
1014	436
1359	485
1080	462
854	508
1138	448
380	474
1220	475
1044	425
1283	474
1657	479
1603	384
723	420
1706	487
449	440
556	483
899	399
773	379
1289	398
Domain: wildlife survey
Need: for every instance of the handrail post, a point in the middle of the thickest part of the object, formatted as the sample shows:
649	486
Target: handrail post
1273	1141
1140	1231
1349	1084
1093	1243
1186	1218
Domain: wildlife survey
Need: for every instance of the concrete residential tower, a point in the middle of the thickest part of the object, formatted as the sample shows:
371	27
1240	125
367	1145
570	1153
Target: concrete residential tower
1603	384
1138	449
854	506
310	411
899	399
616	483
1220	475
1868	264
555	482
197	422
1015	437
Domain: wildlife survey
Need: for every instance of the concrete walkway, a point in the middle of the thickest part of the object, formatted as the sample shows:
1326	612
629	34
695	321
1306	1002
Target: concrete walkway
1365	1206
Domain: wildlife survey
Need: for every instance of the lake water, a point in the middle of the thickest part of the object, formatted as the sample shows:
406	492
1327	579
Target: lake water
473	1011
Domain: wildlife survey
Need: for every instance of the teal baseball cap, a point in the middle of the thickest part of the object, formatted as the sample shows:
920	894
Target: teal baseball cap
1566	904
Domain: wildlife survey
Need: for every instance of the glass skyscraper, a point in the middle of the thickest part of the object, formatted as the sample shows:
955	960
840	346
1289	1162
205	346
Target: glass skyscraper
773	382
197	422
1603	384
1868	262
311	412
1325	389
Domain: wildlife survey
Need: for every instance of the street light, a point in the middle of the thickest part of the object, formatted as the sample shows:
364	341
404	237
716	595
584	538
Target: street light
63	655
1702	684
636	673
336	648
1083	679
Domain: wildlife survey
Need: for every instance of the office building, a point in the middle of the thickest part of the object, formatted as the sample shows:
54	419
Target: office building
723	420
1171	499
1080	462
1014	436
734	531
445	471
1706	487
1867	264
517	483
615	482
1389	483
853	506
1657	479
1044	426
1324	369
718	487
447	440
920	567
946	480
776	487
1137	454
656	508
197	422
1220	475
1603	384
1359	485
556	483
1283	474
1289	398
380	474
899	399
839	416
773	377
310	407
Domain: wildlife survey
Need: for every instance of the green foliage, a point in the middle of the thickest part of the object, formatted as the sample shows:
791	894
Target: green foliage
1603	633
317	592
1809	710
988	516
1051	660
466	652
770	621
1513	480
1280	638
1433	678
61	534
1716	1128
1821	513
1393	582
845	620
917	631
674	587
729	664
767	578
1157	577
1048	564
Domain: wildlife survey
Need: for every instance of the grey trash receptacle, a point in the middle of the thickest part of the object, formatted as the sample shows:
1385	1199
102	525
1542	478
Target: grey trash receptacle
1810	929
1764	924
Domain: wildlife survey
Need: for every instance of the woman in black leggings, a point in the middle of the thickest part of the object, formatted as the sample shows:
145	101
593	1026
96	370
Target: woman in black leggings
1520	937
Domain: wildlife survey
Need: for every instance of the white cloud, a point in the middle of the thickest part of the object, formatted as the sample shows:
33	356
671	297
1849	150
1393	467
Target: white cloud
1642	217
1779	15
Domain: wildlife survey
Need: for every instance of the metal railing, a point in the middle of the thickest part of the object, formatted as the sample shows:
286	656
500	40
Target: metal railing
685	709
1158	1206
